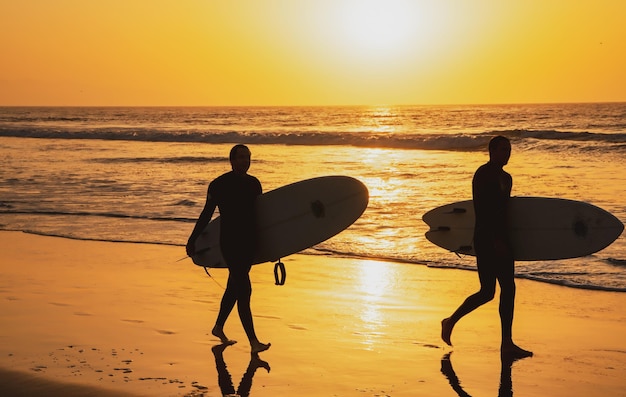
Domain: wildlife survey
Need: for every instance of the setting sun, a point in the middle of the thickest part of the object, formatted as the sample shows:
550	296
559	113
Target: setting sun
311	52
376	28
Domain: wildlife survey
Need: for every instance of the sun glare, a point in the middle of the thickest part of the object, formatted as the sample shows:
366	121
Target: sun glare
378	27
374	279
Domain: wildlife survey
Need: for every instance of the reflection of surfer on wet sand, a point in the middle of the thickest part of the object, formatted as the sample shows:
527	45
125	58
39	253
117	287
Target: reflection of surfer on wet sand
506	384
224	379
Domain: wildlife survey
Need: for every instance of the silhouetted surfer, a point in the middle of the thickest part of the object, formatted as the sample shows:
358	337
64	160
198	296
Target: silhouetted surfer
234	193
491	190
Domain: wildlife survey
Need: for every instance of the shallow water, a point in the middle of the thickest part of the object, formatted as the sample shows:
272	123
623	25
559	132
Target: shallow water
140	174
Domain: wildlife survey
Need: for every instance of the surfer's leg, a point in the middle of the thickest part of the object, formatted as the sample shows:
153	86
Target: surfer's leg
507	308
226	307
244	294
507	304
469	305
485	294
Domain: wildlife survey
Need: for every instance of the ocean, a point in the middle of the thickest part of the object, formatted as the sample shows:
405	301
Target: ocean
138	174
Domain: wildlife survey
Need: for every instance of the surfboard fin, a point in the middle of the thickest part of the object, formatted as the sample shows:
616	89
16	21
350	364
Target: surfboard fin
464	249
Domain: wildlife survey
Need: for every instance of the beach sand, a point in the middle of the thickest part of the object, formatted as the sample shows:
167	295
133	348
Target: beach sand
86	318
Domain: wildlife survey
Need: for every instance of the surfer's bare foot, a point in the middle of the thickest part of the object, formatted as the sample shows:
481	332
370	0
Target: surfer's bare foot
258	347
223	338
513	351
446	330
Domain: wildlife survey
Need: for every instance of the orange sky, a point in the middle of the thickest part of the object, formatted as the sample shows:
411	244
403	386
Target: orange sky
311	52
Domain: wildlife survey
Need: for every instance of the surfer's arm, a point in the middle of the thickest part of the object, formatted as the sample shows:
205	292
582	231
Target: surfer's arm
490	210
203	220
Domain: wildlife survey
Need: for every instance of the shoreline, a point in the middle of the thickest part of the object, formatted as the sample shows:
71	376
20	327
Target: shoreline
127	319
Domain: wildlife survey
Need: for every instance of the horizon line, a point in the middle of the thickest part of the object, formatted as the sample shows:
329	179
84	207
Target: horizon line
326	105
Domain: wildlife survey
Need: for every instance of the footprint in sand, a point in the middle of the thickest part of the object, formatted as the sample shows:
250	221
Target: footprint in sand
165	332
59	304
133	321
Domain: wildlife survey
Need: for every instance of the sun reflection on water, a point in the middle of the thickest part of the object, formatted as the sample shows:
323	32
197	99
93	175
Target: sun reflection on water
374	282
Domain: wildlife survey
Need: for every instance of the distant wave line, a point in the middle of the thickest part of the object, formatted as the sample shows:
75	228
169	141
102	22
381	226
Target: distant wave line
420	141
171	160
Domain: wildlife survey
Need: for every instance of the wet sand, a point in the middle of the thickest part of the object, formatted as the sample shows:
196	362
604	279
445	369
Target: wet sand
87	318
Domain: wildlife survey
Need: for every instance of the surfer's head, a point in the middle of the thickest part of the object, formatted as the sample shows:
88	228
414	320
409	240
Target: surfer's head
240	158
499	150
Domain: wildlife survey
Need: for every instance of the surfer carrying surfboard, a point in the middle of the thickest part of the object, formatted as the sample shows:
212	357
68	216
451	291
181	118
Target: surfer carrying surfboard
491	190
234	193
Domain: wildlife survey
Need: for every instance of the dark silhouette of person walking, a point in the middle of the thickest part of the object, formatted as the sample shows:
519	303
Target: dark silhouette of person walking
234	193
491	190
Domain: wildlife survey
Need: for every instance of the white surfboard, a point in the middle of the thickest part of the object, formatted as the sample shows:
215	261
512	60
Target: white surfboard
541	228
292	218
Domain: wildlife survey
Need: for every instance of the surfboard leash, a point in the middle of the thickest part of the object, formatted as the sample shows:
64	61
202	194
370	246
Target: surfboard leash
280	274
206	270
